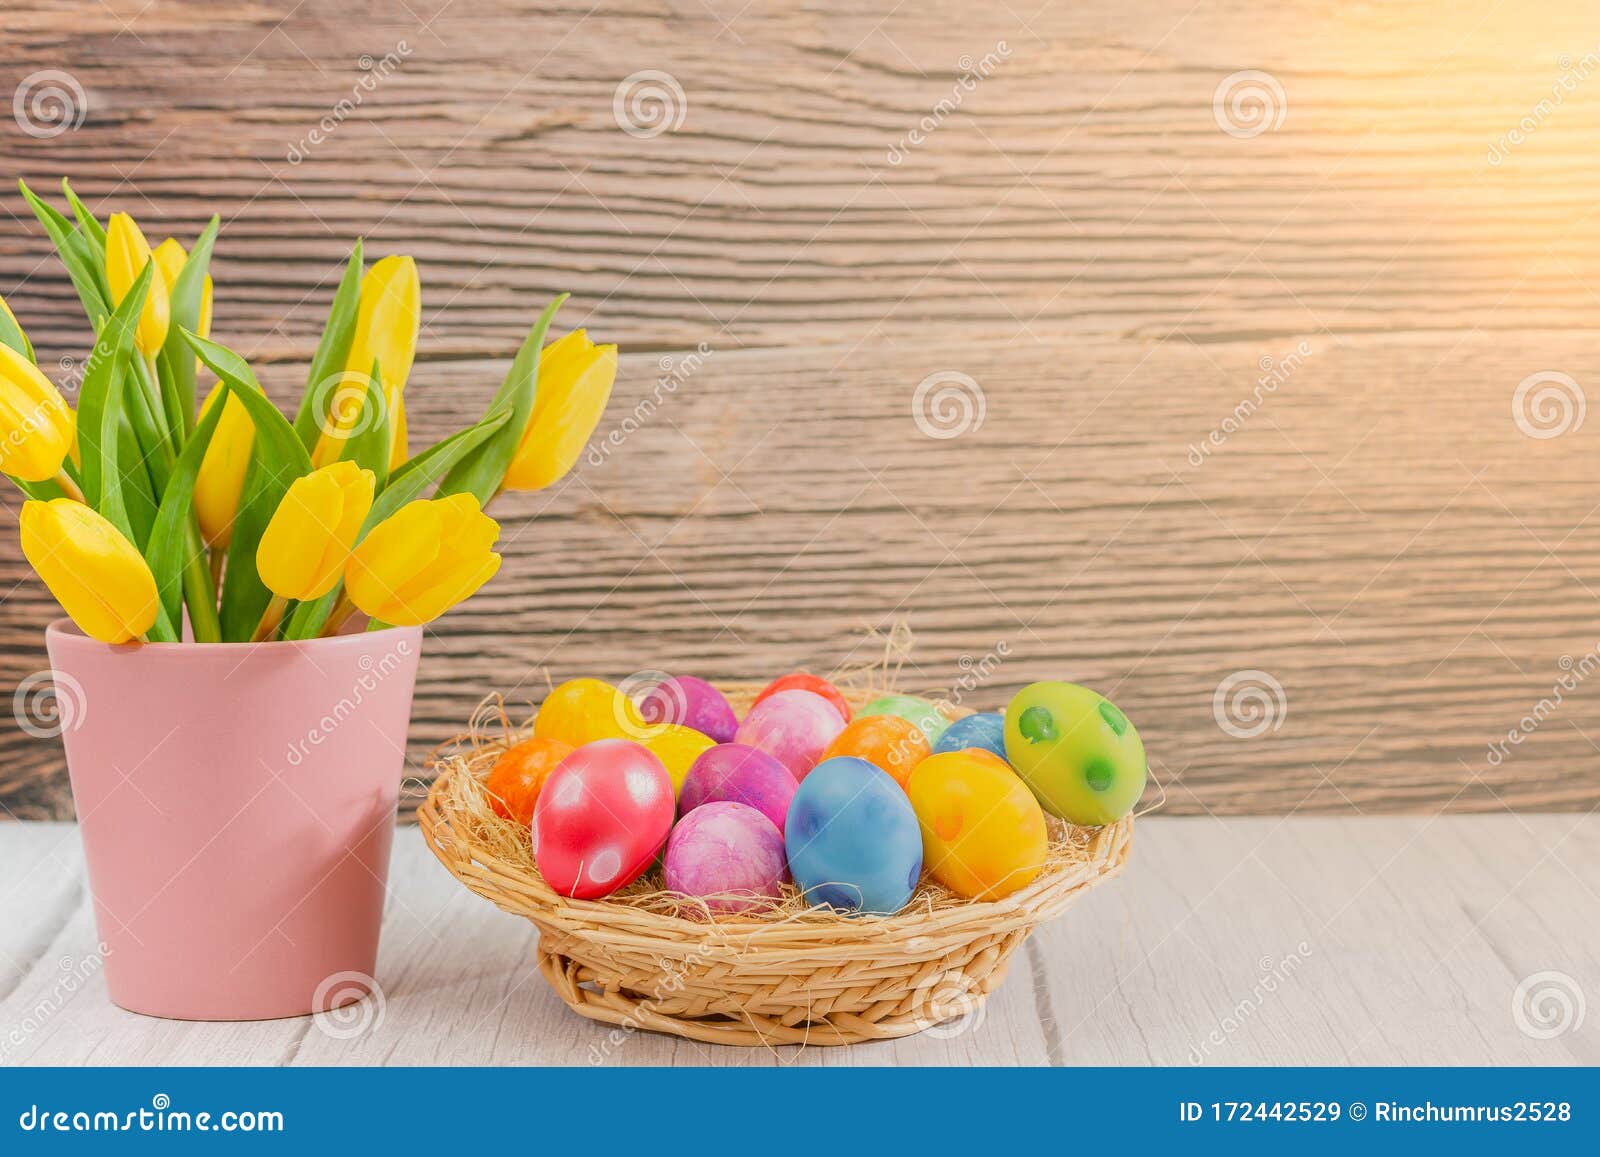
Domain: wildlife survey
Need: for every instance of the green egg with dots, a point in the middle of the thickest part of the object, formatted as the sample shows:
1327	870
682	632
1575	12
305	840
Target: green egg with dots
1079	754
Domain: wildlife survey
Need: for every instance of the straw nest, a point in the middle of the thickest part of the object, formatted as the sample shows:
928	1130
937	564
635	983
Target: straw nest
644	958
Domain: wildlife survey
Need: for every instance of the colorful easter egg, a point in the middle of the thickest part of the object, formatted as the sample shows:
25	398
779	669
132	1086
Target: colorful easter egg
690	702
729	855
985	731
513	783
983	833
583	710
893	744
852	838
601	818
677	748
738	773
795	727
919	711
800	681
1080	755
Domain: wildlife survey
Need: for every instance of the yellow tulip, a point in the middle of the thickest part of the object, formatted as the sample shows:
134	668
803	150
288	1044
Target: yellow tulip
308	540
95	573
422	560
171	257
127	253
398	450
575	377
387	320
221	478
36	427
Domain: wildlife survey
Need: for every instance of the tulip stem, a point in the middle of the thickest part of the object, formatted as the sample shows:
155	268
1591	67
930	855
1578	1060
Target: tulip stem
69	487
268	626
218	556
343	608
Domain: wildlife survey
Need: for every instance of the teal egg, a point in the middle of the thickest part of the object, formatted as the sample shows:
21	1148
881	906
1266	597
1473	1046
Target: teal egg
912	709
985	731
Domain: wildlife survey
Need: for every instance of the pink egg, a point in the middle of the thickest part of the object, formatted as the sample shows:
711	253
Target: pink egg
794	727
728	854
736	773
691	702
601	818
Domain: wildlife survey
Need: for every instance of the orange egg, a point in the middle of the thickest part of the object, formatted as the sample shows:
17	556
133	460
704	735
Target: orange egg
514	782
893	744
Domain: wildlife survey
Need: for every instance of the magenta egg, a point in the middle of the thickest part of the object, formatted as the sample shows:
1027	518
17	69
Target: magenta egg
739	773
601	817
794	727
727	854
691	702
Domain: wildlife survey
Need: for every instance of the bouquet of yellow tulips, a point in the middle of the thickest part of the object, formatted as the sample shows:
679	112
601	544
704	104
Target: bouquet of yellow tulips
144	508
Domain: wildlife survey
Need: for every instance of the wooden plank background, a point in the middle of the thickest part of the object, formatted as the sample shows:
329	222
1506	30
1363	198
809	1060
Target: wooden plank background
1076	233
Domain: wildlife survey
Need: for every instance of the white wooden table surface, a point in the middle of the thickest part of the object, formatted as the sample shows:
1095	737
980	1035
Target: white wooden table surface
1239	941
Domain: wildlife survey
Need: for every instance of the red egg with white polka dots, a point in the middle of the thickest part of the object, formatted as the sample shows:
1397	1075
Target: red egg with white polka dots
601	818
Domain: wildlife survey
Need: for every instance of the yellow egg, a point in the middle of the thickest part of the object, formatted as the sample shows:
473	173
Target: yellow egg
983	832
677	747
583	710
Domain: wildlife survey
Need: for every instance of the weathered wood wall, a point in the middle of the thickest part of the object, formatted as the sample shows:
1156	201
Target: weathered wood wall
1075	232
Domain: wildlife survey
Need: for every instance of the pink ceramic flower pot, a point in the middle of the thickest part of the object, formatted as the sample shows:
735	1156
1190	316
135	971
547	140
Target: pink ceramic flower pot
237	806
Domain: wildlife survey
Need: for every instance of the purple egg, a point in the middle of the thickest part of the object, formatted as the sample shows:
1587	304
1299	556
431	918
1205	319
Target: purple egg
794	727
693	703
738	773
726	850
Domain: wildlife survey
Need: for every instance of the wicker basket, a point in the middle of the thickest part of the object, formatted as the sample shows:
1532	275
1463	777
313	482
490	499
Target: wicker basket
640	960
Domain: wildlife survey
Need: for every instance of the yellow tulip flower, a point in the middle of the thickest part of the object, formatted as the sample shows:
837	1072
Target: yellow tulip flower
422	560
304	547
221	479
36	427
95	573
575	378
387	320
127	253
398	450
171	257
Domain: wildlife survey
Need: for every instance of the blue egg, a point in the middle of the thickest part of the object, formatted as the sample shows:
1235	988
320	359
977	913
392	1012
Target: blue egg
986	732
852	839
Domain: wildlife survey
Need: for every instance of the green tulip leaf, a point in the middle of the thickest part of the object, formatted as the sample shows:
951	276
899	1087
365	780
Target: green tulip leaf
170	550
92	229
277	458
333	350
481	473
187	293
88	278
11	334
138	491
100	406
367	441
